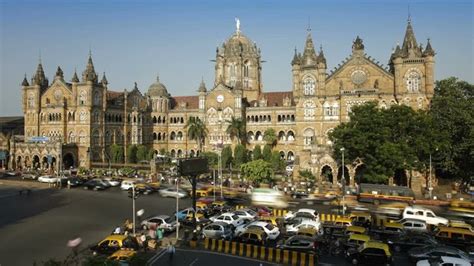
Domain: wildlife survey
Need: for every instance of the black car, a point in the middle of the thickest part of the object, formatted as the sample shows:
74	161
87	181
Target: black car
75	181
299	243
408	241
94	185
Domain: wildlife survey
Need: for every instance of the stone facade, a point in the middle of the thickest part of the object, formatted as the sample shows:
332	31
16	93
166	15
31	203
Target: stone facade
87	115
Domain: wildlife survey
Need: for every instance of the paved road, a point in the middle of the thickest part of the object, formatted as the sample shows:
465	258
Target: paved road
37	227
203	258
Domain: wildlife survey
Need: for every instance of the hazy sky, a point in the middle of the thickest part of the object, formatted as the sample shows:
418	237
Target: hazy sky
134	40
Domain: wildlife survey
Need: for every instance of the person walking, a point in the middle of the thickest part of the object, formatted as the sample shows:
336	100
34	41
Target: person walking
171	250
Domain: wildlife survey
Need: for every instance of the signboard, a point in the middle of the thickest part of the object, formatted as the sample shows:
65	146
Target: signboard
39	139
192	166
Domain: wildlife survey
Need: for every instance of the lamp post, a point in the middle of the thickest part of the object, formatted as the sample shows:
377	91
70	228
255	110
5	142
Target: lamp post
177	209
430	184
343	180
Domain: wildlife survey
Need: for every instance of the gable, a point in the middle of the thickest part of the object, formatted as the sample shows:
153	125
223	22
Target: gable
57	93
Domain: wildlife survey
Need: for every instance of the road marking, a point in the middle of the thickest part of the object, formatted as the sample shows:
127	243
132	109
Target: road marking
191	264
156	257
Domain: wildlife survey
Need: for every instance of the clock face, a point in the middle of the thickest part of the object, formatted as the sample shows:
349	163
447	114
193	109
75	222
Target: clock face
220	98
358	77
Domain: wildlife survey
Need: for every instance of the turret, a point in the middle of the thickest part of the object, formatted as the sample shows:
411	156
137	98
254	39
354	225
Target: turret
59	74
75	79
104	80
25	83
202	95
39	78
89	74
309	55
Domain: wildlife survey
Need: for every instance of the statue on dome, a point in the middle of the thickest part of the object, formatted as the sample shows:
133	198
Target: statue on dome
237	24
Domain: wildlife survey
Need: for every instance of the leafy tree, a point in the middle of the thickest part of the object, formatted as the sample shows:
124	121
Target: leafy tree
226	156
116	153
132	154
212	158
236	129
267	153
240	155
196	130
257	153
452	112
142	153
385	139
270	137
277	162
151	154
162	151
306	174
257	171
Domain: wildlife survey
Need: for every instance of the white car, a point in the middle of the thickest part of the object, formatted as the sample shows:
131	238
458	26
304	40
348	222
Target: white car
171	192
127	185
114	182
272	231
424	214
161	221
293	228
228	218
444	261
303	212
48	179
102	182
246	214
414	225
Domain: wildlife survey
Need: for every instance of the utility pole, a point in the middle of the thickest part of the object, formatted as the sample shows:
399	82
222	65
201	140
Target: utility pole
133	208
177	209
343	184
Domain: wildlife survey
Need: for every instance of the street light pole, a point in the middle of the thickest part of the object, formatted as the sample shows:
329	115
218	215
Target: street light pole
343	184
133	208
177	209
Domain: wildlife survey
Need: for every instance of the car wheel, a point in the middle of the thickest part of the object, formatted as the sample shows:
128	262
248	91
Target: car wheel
354	261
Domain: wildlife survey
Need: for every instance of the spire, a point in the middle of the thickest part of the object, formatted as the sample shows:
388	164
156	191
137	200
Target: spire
59	73
104	80
309	55
39	78
296	58
358	45
429	50
410	46
321	58
89	73
202	86
75	79
25	83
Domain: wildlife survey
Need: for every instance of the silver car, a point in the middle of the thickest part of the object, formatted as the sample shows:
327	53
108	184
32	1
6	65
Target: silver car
435	251
217	230
161	221
171	192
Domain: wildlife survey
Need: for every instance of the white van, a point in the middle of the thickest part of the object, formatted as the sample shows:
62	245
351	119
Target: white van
424	214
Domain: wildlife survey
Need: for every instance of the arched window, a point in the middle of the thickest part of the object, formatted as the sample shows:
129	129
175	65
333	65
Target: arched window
259	136
71	137
82	97
413	80
281	136
173	136
290	136
82	137
96	137
308	137
179	136
309	85
154	136
250	136
309	109
31	100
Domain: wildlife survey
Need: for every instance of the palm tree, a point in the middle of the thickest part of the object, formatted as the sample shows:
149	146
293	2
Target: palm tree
270	137
236	128
196	131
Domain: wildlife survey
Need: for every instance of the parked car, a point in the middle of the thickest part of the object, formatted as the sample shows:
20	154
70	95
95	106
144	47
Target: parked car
253	236
408	241
218	230
424	214
272	231
143	188
171	192
94	185
75	181
246	214
298	243
228	218
103	182
414	225
303	212
114	182
31	176
435	251
50	179
370	253
160	221
444	261
355	241
459	237
127	185
113	243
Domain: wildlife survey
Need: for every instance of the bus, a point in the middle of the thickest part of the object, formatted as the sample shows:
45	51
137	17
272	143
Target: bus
375	193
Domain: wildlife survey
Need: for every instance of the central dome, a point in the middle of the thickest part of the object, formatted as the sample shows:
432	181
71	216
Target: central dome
238	44
157	89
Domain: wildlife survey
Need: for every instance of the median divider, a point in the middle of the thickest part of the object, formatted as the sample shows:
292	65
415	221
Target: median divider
276	255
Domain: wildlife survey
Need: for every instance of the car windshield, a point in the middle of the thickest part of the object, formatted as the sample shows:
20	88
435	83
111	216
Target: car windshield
235	217
169	220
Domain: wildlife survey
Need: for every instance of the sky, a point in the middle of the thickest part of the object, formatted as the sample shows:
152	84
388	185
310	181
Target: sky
134	41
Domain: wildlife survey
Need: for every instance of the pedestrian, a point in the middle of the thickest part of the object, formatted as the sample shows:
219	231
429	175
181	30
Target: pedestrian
144	241
171	250
159	235
117	231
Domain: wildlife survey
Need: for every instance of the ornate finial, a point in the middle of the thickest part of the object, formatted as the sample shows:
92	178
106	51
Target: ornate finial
59	73
39	56
136	86
90	51
358	44
320	47
309	24
409	15
157	77
25	81
237	24
74	77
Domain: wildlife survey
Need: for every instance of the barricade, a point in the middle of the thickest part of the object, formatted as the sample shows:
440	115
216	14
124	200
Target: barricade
279	212
275	255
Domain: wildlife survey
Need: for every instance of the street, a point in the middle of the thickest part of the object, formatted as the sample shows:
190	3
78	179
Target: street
37	227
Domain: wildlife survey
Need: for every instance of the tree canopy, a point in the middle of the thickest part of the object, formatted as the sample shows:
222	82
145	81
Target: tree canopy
240	155
270	137
196	130
267	153
257	153
257	171
236	129
226	156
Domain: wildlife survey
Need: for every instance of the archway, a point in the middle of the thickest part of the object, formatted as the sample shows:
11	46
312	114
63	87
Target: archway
68	161
400	177
36	162
173	153
346	175
326	174
282	155
191	153
290	156
360	174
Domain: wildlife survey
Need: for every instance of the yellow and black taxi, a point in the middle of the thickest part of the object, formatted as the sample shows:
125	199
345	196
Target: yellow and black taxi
353	230
123	255
458	237
356	240
269	219
361	218
308	231
370	253
253	236
113	243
